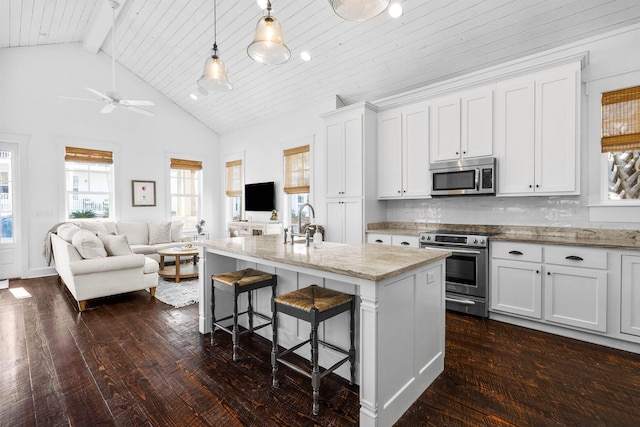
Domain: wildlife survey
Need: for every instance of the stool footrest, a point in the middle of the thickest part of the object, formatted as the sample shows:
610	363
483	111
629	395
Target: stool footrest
292	349
333	347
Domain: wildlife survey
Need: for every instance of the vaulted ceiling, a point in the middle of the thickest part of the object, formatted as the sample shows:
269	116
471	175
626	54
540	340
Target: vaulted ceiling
165	43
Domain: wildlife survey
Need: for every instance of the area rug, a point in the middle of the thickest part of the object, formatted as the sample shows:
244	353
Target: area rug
181	294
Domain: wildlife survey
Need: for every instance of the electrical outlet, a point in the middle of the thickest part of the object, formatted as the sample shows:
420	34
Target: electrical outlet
431	277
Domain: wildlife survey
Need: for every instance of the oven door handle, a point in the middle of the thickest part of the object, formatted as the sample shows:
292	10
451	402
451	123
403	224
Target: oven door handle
477	179
460	301
464	251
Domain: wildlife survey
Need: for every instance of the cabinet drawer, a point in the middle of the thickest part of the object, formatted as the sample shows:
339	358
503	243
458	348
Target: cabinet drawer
576	257
516	251
410	241
383	239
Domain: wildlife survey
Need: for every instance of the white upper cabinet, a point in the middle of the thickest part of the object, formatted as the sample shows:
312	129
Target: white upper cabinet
536	139
403	156
345	136
462	125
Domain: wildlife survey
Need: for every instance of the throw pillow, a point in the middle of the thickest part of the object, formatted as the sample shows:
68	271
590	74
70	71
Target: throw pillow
176	231
115	245
159	232
66	231
95	227
88	245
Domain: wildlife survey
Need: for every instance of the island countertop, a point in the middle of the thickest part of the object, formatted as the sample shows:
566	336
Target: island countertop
364	261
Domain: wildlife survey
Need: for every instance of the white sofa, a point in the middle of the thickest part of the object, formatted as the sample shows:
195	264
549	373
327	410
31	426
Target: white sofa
94	258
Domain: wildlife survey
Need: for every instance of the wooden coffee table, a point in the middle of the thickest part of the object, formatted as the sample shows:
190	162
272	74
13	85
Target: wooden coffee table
178	271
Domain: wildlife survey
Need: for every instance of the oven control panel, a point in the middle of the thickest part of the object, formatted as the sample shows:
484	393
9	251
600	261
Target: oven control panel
453	239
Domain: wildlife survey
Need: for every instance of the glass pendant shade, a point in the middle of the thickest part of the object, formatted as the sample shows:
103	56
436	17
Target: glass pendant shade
268	45
214	77
358	10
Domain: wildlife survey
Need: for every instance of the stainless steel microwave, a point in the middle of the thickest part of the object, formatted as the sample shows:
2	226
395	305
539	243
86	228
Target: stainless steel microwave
464	177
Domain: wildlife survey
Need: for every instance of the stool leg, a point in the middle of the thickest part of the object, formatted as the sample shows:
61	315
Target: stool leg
352	349
234	335
213	311
250	312
274	350
315	372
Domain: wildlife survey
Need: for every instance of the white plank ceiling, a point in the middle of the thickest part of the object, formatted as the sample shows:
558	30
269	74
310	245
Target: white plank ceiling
165	42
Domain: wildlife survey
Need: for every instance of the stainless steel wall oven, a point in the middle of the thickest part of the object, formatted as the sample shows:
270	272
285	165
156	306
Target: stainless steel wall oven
467	269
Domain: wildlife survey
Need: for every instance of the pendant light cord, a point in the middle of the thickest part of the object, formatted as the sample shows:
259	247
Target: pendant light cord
215	30
113	47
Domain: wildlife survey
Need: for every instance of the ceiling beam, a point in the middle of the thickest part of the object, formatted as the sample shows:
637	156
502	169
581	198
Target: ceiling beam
101	26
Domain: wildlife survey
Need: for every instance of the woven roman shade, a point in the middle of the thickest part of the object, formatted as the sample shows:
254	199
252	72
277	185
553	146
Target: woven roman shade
86	155
621	120
186	164
296	170
234	178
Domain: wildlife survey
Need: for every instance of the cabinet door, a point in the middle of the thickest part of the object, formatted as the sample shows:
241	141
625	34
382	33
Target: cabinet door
390	154
353	154
516	287
515	136
630	309
335	158
576	297
381	239
444	122
408	241
415	151
334	231
555	132
477	123
354	227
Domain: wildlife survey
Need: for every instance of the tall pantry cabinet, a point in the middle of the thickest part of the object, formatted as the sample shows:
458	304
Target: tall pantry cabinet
351	196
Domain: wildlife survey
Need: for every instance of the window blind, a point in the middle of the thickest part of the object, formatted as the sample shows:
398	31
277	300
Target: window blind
234	178
186	164
297	170
86	155
621	120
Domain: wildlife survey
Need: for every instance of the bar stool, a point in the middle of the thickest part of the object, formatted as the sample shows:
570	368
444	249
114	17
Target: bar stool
239	282
313	304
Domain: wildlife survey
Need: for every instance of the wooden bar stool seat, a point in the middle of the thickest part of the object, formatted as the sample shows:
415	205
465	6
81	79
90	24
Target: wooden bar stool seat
313	304
239	282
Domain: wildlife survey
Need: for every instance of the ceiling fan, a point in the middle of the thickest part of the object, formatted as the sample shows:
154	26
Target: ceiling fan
111	98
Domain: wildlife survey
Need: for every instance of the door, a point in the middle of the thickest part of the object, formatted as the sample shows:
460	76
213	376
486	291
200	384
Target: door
445	129
390	154
415	152
516	287
9	238
630	309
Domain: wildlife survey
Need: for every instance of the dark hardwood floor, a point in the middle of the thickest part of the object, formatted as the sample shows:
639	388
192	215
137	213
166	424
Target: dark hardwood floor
132	360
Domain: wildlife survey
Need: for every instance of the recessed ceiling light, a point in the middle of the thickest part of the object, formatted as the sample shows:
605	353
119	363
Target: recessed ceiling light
305	56
395	10
193	96
262	4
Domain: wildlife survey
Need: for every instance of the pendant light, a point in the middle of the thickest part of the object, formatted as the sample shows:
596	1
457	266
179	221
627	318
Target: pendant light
358	10
268	45
214	77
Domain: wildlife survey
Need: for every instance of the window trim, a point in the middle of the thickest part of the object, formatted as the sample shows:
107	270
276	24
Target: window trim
89	156
181	164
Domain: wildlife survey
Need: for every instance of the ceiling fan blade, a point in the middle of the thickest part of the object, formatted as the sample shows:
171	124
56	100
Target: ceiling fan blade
107	109
100	94
135	102
78	99
138	110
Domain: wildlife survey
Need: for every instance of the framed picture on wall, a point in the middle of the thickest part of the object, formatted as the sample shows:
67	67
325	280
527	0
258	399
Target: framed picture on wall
143	193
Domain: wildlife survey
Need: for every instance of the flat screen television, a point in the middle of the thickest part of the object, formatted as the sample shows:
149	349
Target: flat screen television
260	196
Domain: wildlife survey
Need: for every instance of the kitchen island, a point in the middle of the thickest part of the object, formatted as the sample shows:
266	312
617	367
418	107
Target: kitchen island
400	337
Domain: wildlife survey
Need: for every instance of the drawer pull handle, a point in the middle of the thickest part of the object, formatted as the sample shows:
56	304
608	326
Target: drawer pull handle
404	243
574	258
378	241
515	253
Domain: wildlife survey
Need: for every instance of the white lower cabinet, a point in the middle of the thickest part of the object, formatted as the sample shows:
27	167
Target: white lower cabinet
409	241
516	287
630	293
381	239
344	221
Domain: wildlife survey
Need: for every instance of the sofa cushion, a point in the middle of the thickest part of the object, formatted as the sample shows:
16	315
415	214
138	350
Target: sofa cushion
115	245
159	232
143	249
88	245
176	231
137	232
95	227
66	231
110	226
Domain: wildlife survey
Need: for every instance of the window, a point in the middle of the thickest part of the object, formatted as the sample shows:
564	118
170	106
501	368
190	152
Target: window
89	183
297	186
6	197
621	142
185	183
234	188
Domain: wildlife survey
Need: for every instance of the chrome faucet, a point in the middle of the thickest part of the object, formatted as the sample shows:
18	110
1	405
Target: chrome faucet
299	233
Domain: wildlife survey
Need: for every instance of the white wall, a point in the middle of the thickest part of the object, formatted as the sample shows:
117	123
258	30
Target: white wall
31	81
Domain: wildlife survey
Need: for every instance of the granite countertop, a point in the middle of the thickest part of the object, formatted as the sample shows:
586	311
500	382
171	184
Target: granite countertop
364	261
588	237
